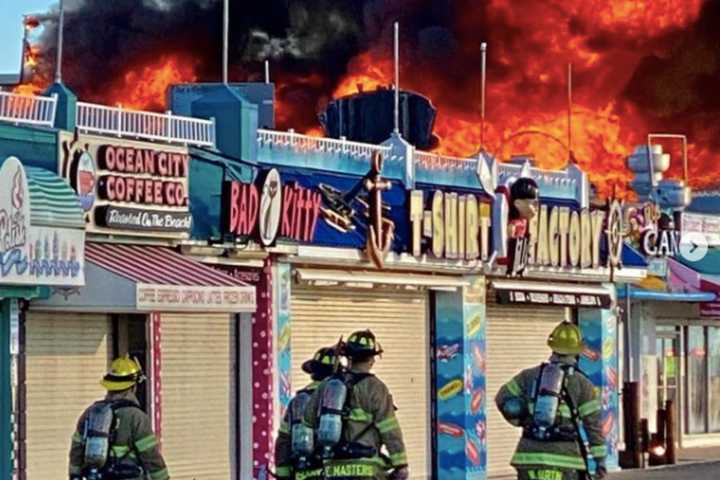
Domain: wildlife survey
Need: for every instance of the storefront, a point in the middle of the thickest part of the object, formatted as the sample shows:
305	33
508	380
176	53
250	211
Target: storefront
181	318
42	243
672	318
572	249
413	256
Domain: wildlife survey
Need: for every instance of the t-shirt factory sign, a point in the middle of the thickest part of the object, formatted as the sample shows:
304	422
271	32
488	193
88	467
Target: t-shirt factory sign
450	225
459	226
128	187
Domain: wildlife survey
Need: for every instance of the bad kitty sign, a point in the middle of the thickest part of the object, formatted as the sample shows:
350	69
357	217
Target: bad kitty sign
129	187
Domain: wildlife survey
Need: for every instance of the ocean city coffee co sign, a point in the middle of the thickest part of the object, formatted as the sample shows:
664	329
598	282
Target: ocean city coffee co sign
129	187
268	210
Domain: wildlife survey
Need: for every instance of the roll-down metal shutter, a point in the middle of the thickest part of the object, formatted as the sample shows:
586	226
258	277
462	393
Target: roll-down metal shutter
198	395
516	340
66	356
399	320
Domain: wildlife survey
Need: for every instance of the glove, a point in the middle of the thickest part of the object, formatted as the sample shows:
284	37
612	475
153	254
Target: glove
401	473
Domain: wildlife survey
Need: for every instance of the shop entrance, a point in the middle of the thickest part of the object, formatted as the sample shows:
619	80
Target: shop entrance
130	336
669	384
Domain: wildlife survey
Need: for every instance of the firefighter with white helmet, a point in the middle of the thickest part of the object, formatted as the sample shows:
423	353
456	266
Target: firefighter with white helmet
114	439
294	447
559	411
353	415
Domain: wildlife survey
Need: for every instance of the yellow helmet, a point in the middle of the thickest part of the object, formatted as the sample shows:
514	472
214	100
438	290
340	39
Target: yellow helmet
566	339
124	373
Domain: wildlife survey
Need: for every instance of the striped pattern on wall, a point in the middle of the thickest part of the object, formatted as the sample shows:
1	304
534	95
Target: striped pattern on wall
53	203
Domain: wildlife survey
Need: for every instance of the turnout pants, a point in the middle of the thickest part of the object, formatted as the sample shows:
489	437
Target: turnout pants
549	473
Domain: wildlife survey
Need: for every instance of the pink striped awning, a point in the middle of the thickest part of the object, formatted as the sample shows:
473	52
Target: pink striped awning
168	281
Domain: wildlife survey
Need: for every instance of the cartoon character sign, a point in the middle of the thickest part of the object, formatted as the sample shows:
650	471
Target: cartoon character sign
523	198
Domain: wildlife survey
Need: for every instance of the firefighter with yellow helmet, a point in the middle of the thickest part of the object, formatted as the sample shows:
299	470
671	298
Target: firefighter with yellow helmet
294	447
114	439
353	416
559	411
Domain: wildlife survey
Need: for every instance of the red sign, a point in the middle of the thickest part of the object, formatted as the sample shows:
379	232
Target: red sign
300	211
298	214
133	184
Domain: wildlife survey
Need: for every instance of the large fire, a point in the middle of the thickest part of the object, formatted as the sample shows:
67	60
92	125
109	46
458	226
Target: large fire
143	87
531	43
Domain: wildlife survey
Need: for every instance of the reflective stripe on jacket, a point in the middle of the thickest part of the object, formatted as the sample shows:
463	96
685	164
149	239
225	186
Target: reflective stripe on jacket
283	444
135	443
371	405
560	454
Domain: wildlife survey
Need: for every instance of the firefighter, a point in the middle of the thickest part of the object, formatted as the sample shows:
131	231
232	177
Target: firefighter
114	438
559	411
353	416
294	444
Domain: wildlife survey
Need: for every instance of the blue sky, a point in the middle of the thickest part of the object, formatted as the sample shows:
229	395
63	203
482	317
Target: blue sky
11	29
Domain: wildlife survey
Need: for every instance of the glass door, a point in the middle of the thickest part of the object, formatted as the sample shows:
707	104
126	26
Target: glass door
669	372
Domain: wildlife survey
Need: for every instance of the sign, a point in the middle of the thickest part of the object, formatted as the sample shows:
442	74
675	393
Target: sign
288	211
574	299
707	225
450	225
191	298
142	220
381	230
564	238
651	231
29	254
129	187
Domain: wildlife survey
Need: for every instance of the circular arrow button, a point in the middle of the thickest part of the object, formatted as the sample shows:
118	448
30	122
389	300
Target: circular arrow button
693	246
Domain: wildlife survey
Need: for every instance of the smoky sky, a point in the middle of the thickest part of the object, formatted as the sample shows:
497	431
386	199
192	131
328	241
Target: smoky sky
670	78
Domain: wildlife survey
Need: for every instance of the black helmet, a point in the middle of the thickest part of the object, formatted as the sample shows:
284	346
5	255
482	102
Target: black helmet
322	363
524	189
362	344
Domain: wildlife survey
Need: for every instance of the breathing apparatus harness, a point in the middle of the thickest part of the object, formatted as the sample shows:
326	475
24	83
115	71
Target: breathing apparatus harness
99	434
550	389
301	436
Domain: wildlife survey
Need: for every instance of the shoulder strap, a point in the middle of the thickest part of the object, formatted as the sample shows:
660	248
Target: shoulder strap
536	385
581	441
118	404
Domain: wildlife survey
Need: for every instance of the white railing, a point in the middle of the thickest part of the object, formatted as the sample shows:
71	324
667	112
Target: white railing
549	177
165	127
306	143
29	109
433	161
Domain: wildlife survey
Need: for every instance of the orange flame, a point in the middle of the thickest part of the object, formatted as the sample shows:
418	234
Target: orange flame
143	87
528	111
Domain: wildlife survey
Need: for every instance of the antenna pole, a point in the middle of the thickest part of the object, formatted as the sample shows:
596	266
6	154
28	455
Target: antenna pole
267	71
570	105
397	79
483	52
226	28
58	63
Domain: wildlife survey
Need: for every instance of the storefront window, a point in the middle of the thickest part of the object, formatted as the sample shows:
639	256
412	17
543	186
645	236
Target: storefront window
714	360
696	379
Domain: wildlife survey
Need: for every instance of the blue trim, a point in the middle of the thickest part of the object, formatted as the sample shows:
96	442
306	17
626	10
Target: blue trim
642	294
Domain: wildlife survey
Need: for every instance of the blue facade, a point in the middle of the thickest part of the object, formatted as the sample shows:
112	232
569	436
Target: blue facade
244	152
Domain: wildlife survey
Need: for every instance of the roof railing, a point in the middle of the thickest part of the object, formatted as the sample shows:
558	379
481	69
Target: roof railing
304	143
165	127
28	109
